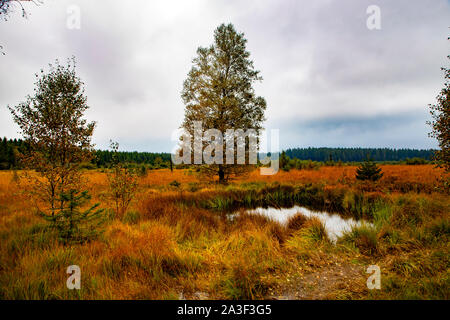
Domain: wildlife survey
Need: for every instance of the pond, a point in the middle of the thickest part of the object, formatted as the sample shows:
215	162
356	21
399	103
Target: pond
334	224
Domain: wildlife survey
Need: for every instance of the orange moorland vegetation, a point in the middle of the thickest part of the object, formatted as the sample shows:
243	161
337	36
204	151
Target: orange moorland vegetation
401	178
424	174
173	242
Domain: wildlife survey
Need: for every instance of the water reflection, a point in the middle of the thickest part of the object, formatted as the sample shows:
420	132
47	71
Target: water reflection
334	224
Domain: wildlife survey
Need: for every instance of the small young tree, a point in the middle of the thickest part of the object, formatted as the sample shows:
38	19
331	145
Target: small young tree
72	224
441	122
58	138
142	172
285	162
369	170
122	183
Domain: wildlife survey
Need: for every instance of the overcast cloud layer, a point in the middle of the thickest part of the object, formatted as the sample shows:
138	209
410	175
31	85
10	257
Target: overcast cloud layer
328	79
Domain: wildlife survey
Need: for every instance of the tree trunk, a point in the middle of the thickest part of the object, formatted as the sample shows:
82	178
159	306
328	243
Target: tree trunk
221	174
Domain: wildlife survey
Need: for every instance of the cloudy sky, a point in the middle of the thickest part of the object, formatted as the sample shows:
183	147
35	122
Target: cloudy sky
328	79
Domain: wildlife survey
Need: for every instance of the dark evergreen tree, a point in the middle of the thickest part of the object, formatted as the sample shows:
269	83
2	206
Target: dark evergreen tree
357	154
284	161
73	224
368	170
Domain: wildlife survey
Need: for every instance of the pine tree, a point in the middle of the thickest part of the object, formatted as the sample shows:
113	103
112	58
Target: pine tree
284	162
369	170
11	155
73	224
3	154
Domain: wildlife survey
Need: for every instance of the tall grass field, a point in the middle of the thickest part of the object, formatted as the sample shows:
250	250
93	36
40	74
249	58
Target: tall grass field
176	240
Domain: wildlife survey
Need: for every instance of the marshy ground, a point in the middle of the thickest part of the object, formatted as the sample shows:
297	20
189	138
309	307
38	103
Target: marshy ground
177	242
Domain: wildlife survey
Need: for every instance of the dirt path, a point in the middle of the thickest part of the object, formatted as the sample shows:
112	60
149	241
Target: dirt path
338	280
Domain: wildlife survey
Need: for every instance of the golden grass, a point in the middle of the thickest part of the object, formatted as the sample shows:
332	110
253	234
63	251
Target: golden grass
332	174
172	248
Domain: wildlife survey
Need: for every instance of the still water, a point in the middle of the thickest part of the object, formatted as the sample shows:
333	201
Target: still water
334	224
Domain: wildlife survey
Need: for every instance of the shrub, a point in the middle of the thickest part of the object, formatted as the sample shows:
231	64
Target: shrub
142	172
175	184
416	161
122	183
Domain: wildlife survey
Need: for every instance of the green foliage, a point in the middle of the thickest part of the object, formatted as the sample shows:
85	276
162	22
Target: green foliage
441	121
56	133
219	92
52	121
220	203
10	151
357	154
308	158
382	214
72	223
416	161
175	184
104	158
368	170
440	230
284	162
142	172
287	163
131	217
363	237
315	231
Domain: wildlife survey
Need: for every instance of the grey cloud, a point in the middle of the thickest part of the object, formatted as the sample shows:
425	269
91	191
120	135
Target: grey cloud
328	80
400	129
